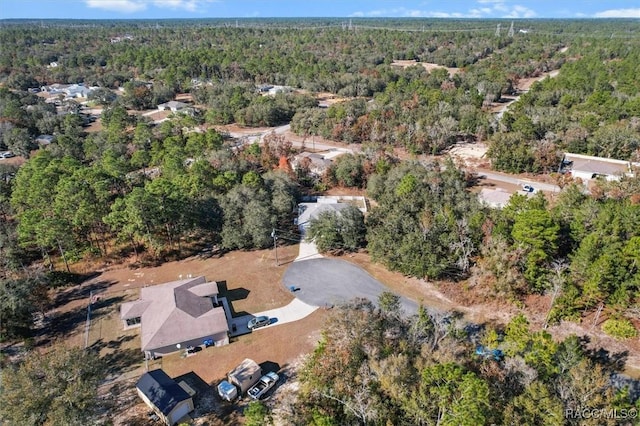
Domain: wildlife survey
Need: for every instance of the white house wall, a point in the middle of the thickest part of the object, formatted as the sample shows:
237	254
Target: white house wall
179	411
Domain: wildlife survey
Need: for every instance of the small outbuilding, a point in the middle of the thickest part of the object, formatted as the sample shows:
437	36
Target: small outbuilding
165	396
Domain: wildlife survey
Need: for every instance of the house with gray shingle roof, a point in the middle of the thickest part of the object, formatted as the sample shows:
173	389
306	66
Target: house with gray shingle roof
177	315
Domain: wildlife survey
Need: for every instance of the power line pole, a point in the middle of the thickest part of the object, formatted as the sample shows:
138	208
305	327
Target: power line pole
275	245
498	31
510	33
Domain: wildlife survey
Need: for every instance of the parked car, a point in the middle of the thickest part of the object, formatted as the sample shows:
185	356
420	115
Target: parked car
527	188
258	322
265	383
7	154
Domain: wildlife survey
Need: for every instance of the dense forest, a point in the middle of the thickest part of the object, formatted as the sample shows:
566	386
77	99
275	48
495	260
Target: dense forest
374	366
160	191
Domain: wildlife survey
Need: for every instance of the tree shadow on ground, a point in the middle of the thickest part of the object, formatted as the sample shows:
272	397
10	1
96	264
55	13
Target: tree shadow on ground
61	324
64	279
100	344
122	360
80	292
101	306
610	361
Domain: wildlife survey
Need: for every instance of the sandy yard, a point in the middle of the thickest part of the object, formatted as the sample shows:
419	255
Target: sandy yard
470	154
253	283
427	65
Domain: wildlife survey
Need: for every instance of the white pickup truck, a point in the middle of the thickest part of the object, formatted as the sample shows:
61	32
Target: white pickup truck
7	154
265	383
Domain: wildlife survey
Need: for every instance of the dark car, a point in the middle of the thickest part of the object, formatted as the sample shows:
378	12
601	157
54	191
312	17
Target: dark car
258	322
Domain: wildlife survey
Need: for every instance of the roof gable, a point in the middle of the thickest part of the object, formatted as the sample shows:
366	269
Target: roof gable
133	309
161	390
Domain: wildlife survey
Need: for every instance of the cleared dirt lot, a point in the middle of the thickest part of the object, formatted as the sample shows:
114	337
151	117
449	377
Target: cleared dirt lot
253	284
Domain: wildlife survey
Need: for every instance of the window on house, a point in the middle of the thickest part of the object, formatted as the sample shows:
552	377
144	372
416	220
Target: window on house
133	321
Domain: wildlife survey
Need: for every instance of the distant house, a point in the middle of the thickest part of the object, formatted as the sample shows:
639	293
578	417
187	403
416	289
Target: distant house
177	315
148	172
173	106
312	210
71	91
274	90
118	39
316	163
78	91
264	88
168	399
587	167
44	140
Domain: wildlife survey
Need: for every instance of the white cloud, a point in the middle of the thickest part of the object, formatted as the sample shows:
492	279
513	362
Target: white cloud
190	5
125	6
130	6
518	12
487	9
619	13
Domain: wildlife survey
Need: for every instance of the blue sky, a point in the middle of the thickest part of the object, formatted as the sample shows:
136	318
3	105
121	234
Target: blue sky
157	9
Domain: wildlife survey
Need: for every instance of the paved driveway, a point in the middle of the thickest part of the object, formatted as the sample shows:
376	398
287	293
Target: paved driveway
294	311
327	282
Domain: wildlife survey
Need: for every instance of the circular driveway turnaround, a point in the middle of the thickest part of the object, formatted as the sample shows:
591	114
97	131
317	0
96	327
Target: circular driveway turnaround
328	282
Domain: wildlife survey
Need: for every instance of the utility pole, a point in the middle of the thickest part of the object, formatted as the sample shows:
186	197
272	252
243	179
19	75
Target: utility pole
87	324
275	245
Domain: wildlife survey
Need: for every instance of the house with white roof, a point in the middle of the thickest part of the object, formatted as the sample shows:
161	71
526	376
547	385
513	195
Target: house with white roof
587	167
312	210
173	106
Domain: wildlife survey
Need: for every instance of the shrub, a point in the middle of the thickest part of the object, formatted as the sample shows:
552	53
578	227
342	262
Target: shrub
619	328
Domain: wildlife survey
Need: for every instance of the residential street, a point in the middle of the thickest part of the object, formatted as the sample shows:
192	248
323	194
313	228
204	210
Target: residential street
514	180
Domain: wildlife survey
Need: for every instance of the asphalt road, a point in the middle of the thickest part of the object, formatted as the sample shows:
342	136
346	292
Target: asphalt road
515	180
328	282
